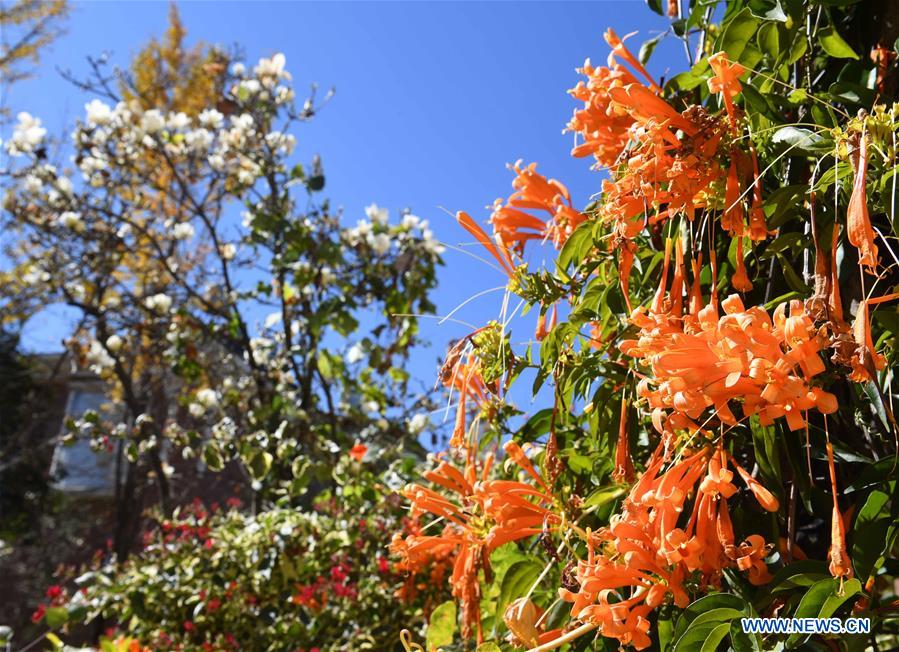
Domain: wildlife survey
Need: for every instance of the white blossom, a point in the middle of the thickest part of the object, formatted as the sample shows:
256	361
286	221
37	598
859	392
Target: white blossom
208	397
273	67
242	122
217	162
99	357
199	139
355	354
98	113
178	121
410	221
251	86
380	243
183	231
229	251
211	119
114	343
152	121
159	303
32	184
71	220
418	423
376	214
26	135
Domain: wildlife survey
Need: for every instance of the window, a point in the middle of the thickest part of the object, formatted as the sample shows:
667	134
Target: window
76	467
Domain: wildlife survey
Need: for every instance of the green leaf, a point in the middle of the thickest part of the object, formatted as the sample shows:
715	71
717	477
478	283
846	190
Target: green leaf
792	277
737	33
797	138
604	495
852	93
517	581
702	637
713	601
799	573
489	646
259	465
690	79
834	44
656	6
821	601
871	534
56	617
767	454
213	458
666	633
578	244
442	626
535	427
648	48
770	11
768	39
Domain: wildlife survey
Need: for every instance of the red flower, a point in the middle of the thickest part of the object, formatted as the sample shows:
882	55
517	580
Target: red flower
189	626
358	451
54	591
38	614
383	565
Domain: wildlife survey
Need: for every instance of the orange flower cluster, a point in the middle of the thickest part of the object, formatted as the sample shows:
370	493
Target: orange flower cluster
482	515
667	162
513	226
702	360
422	571
676	165
648	552
603	125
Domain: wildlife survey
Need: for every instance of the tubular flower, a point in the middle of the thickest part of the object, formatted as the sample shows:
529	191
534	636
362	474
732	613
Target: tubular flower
499	252
839	566
657	541
624	466
726	81
705	361
758	229
865	360
542	327
858	223
513	226
462	372
603	125
740	280
482	515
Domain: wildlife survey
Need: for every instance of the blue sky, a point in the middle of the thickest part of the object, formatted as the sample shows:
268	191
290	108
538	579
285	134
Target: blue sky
433	99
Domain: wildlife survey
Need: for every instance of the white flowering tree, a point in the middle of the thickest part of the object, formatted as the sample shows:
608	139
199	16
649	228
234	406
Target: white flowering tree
236	317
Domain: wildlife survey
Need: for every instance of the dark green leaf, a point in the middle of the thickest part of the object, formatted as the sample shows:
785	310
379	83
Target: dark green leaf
834	44
737	33
821	601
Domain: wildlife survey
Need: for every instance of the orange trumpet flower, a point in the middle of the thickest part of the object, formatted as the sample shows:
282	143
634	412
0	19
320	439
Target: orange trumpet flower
858	223
726	80
481	515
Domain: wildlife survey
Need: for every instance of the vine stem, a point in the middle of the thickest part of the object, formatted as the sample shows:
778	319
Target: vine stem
562	640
